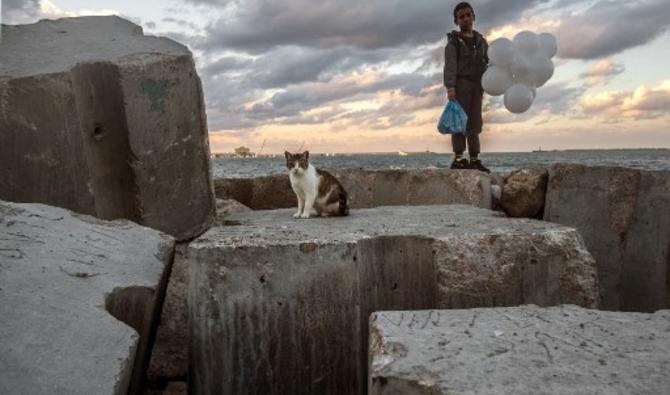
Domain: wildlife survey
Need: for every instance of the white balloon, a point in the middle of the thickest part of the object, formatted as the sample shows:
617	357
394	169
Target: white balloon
542	69
548	44
526	43
496	80
518	98
522	70
501	52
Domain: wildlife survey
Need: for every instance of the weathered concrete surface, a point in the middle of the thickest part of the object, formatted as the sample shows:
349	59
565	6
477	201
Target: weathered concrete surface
279	305
169	359
369	188
519	350
225	207
623	216
68	283
116	117
524	191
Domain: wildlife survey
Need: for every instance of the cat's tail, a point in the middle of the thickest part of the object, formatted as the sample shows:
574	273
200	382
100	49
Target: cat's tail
343	204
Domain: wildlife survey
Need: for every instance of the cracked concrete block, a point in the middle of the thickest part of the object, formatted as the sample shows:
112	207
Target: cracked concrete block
369	188
279	305
116	117
519	350
80	300
623	216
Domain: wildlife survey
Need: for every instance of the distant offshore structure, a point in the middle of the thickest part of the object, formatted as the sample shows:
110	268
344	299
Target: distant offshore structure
241	152
244	152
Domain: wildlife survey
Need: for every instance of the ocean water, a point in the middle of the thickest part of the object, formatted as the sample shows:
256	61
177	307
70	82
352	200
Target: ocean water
646	159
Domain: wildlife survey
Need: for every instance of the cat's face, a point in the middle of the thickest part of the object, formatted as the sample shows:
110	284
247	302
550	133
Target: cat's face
297	163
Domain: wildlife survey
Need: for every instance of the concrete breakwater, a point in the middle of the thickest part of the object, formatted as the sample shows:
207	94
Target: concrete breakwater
281	306
621	213
263	303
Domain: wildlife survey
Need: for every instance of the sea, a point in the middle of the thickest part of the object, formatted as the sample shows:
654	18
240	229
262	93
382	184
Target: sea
645	159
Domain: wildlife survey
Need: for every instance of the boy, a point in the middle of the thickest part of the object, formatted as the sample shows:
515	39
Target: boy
465	63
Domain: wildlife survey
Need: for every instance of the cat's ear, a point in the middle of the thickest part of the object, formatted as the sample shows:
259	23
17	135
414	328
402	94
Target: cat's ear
306	155
287	154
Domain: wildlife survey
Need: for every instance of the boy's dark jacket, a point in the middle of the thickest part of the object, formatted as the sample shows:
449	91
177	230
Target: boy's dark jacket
461	61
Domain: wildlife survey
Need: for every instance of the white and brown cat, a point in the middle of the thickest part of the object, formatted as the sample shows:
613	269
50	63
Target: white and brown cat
319	193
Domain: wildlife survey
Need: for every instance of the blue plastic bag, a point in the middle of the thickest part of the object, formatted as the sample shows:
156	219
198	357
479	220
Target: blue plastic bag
453	119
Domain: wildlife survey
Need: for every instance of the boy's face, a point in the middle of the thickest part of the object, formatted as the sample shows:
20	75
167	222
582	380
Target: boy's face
464	18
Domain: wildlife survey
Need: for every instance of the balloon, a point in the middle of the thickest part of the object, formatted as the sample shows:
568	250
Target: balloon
548	44
501	52
496	80
518	98
542	69
526	43
522	70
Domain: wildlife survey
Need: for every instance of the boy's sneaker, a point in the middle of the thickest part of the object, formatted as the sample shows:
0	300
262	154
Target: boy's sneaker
476	164
460	163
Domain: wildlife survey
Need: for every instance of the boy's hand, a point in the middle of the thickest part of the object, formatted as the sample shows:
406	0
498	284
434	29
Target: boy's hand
451	93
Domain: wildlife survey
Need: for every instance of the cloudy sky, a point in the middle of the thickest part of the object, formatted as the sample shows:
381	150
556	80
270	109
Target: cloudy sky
366	75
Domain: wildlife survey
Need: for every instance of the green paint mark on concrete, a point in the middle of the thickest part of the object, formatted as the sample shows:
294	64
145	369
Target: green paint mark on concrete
155	91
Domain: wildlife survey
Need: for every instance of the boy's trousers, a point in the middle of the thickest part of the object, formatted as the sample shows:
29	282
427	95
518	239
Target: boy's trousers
469	95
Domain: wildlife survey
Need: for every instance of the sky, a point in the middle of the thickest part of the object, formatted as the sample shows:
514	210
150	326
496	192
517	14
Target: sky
339	76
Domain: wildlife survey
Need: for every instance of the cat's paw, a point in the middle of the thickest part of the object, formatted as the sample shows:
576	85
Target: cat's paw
296	215
304	215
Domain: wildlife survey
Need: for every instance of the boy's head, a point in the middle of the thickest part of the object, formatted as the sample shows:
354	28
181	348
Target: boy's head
464	15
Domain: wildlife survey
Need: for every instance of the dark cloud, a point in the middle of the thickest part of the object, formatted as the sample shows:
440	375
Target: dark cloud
314	95
258	25
286	66
290	65
293	105
19	11
610	27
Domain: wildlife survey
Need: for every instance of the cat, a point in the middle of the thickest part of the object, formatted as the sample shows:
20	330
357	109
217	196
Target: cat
319	193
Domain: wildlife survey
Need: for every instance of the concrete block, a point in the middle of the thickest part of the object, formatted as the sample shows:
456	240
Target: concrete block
524	191
102	120
279	305
80	301
169	359
519	350
369	188
623	216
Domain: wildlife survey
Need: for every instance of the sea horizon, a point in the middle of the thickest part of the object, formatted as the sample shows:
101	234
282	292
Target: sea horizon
501	162
450	152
